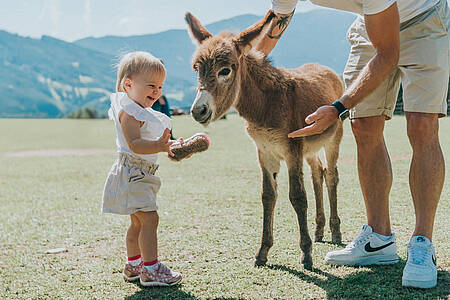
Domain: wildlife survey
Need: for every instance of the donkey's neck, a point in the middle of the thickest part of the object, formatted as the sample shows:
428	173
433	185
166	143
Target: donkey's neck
261	90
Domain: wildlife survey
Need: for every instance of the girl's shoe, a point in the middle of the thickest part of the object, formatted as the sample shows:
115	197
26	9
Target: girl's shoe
160	276
131	273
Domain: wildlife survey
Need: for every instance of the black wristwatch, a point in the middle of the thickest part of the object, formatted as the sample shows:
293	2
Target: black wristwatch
342	111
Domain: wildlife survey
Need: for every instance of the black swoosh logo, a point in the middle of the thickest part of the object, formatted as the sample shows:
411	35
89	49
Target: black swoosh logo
368	248
434	259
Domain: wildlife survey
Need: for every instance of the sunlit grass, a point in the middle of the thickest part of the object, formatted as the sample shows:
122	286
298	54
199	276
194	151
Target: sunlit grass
210	219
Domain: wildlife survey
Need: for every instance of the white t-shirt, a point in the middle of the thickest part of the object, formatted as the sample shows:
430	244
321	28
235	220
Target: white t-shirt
154	123
407	9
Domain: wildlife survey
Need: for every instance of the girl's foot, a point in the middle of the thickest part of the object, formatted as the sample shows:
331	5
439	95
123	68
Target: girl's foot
159	276
132	273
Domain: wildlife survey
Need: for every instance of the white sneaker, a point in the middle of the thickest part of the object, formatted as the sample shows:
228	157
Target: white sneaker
420	269
366	249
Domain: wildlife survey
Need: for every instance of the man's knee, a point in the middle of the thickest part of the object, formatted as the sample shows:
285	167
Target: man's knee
422	128
368	131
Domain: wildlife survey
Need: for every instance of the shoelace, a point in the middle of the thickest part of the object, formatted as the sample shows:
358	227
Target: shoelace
361	238
419	254
164	268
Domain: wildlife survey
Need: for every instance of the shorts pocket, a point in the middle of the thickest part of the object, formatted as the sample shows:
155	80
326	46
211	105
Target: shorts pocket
135	175
441	16
141	190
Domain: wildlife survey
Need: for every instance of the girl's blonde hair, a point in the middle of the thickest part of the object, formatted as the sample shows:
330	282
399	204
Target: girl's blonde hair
134	63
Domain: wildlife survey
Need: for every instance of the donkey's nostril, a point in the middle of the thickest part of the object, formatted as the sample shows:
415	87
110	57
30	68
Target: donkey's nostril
201	113
204	110
200	110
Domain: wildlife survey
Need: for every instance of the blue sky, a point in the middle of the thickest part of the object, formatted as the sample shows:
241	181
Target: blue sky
74	19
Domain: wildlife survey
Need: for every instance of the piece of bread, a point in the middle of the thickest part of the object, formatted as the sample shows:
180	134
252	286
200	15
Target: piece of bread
197	143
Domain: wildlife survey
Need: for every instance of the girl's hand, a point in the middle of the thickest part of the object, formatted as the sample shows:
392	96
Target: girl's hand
164	142
180	141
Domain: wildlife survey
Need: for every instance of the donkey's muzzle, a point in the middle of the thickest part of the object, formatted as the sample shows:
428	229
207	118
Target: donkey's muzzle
201	113
201	108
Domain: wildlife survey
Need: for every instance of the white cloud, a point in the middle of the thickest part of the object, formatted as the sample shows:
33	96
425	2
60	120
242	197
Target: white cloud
124	21
87	16
52	11
43	10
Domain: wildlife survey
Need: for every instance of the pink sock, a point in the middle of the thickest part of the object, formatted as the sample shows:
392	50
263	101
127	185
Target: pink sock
150	265
135	260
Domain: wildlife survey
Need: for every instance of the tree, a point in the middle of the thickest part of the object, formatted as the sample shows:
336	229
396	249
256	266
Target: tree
84	113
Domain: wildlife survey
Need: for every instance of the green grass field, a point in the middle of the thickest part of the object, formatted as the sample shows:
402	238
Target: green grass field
210	219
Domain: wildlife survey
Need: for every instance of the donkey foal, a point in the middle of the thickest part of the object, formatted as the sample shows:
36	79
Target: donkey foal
274	102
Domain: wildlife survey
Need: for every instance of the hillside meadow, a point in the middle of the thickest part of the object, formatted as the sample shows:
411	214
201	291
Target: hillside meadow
51	178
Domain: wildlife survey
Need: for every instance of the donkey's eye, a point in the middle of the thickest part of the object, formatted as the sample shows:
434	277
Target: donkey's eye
224	72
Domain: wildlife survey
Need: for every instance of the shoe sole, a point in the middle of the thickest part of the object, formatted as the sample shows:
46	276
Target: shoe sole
130	279
367	261
422	284
156	283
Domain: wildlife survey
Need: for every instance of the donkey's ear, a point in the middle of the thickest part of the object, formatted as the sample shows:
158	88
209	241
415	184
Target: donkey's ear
250	37
197	31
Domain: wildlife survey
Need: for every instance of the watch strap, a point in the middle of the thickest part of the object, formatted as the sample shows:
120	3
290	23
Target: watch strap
339	106
343	112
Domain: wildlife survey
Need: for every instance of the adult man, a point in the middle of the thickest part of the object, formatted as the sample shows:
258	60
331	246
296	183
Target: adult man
391	40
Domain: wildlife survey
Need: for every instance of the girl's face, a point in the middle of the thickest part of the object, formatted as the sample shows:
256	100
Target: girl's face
144	88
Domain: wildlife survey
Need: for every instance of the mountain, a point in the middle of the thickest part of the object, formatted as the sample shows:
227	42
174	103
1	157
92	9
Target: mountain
48	77
174	47
316	36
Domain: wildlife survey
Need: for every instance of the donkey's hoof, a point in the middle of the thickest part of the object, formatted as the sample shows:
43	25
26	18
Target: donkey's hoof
260	263
318	234
307	262
336	238
318	238
308	266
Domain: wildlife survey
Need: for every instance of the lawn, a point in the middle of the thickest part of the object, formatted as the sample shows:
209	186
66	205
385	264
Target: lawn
210	219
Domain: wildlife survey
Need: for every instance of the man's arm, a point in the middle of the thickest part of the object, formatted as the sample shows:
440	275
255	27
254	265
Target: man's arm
276	30
383	31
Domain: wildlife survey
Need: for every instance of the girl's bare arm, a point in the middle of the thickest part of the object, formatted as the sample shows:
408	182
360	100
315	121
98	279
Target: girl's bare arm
131	131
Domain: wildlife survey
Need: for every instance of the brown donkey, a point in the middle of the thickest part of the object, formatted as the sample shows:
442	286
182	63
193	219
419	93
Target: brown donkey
274	102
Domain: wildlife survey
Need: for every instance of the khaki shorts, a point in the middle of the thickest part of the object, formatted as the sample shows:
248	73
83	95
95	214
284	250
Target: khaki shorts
423	67
131	186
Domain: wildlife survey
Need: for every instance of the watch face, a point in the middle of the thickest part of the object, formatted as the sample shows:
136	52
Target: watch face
344	115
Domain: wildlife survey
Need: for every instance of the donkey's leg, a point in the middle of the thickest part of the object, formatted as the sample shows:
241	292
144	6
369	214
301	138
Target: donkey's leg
297	196
317	179
270	167
331	180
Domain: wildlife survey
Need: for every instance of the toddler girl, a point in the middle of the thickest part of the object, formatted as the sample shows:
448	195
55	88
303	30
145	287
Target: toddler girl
131	186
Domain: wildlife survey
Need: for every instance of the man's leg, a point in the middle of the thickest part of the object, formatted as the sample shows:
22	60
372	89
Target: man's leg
427	172
375	245
426	179
374	170
425	73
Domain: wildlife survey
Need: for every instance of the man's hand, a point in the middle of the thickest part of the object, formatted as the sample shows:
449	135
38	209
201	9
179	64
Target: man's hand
164	143
321	119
